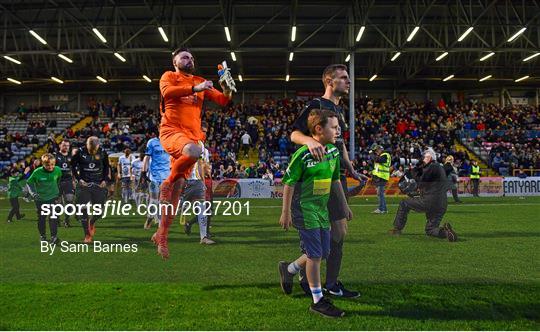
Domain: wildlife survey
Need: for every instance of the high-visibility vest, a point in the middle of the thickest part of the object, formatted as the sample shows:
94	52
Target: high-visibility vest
475	172
383	170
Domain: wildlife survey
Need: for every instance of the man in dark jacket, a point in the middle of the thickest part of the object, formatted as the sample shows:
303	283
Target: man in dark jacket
433	186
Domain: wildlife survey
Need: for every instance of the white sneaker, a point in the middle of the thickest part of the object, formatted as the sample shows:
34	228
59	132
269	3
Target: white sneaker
377	211
206	240
148	223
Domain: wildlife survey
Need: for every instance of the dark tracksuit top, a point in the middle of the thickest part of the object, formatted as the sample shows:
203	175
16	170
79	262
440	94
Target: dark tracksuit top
433	184
64	162
90	168
301	124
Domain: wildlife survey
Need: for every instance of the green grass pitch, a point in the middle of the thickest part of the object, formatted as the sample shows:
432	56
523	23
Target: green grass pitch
489	280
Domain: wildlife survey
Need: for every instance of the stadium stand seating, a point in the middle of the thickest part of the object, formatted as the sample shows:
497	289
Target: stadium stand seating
500	139
24	134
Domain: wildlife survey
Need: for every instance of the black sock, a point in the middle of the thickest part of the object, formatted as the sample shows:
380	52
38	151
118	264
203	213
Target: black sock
53	226
41	226
84	223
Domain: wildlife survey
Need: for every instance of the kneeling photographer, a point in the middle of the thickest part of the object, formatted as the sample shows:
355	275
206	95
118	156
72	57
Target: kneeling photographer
428	196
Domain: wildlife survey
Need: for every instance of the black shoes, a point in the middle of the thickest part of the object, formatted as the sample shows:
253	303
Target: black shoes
304	283
187	228
285	278
55	240
450	234
337	290
326	308
340	291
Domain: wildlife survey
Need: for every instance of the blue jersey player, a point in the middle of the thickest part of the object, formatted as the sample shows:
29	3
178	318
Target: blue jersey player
156	168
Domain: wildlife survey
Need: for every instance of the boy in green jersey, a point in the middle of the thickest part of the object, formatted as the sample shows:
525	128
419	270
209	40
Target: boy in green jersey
307	183
43	185
14	192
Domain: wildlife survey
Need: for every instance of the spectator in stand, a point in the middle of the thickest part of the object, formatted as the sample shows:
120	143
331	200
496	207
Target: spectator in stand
403	126
278	172
21	112
283	144
497	161
268	175
521	173
241	174
397	173
261	170
229	172
251	172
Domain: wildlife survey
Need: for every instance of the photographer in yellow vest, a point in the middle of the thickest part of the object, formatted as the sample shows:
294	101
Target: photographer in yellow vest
475	178
380	174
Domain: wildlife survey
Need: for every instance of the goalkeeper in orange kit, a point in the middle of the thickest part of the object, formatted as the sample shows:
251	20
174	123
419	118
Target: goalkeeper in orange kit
181	135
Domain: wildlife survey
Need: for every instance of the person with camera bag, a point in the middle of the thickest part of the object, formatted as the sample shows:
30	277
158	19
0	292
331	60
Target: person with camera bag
432	186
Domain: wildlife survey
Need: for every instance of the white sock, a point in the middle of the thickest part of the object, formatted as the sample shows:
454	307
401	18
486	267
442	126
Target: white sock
144	198
293	268
317	294
154	208
203	223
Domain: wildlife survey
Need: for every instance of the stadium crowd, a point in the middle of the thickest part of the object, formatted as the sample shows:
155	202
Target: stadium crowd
404	128
116	136
513	151
509	135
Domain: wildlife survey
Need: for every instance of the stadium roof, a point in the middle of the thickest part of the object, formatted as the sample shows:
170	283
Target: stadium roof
261	39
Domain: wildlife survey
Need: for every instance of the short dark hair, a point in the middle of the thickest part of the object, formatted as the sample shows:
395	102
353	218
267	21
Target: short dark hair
180	50
330	71
319	117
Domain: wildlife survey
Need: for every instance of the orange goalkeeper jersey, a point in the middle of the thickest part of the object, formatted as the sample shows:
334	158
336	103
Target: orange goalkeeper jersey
183	107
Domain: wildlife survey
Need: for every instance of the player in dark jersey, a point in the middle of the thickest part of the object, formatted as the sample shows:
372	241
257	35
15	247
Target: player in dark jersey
336	83
90	167
63	157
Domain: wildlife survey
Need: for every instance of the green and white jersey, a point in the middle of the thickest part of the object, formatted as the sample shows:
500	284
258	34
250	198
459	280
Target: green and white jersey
312	180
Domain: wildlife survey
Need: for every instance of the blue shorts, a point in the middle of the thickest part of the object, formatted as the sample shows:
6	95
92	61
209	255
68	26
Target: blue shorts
154	187
126	182
315	243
